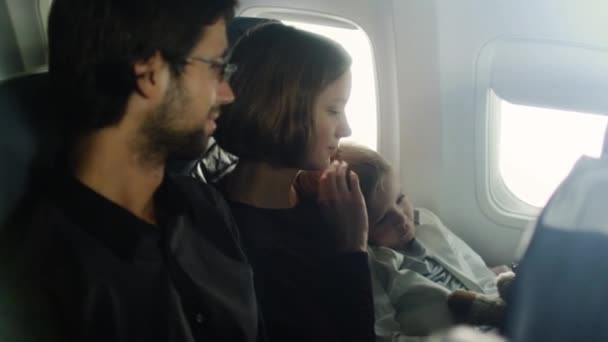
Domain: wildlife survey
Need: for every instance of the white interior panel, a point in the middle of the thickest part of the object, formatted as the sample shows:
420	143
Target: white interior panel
463	29
550	73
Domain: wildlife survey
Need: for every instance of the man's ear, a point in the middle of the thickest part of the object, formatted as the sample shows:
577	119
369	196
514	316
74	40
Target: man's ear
151	76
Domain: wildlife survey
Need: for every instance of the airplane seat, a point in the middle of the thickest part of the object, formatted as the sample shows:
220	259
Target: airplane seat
29	137
215	164
239	26
560	290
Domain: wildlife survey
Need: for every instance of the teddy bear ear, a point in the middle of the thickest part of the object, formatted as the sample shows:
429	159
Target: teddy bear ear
503	283
460	303
473	308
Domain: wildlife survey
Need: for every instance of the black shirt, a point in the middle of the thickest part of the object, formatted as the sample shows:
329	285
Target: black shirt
86	269
307	291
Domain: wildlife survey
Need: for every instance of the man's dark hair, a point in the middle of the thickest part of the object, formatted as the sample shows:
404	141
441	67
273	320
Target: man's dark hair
94	44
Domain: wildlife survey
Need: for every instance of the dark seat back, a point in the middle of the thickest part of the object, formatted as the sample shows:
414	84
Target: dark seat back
560	292
29	136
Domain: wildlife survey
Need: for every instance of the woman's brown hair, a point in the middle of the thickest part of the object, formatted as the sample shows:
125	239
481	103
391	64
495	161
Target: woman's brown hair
281	72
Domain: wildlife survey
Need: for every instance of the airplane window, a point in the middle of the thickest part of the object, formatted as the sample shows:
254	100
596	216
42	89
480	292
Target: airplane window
361	109
538	147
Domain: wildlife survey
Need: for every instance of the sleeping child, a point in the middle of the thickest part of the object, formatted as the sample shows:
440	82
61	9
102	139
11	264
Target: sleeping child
417	262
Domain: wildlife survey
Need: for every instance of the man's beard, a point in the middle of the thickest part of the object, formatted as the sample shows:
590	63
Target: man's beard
160	140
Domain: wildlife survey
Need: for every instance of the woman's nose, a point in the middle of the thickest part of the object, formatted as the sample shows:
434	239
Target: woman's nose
343	130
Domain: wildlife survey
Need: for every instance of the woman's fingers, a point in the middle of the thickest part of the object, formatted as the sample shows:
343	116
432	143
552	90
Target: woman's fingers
341	180
344	208
355	188
334	184
328	189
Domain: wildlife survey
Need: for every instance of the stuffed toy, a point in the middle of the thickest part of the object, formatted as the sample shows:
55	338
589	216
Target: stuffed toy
479	309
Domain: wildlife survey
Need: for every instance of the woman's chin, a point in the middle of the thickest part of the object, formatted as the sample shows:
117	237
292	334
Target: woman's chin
316	165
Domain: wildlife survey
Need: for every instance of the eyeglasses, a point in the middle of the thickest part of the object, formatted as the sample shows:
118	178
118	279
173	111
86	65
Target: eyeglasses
225	68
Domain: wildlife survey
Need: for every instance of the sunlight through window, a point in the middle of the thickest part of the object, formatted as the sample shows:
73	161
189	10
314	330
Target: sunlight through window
539	146
361	109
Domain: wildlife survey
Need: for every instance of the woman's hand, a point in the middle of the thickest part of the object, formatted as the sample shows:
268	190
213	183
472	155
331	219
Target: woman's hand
343	206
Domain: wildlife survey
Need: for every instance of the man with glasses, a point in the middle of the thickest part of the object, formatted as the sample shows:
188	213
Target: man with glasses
221	65
115	249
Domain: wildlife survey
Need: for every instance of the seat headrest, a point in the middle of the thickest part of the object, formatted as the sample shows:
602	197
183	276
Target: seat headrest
240	25
28	135
559	293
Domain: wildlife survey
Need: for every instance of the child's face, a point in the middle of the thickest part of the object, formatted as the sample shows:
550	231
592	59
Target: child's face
391	215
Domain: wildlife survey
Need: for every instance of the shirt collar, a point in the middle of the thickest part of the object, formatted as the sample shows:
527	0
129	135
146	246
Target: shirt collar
114	226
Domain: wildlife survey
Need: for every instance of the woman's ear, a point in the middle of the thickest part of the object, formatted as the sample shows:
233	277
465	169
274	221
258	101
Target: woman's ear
150	76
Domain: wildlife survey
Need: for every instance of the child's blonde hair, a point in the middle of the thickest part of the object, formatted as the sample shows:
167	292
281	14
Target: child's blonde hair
370	166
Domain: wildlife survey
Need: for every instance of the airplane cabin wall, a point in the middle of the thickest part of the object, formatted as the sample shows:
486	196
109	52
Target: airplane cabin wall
461	29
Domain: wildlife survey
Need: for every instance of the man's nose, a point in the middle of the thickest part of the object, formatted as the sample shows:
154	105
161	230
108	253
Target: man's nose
225	95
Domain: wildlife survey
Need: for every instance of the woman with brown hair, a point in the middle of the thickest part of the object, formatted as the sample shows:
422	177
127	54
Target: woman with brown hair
309	256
